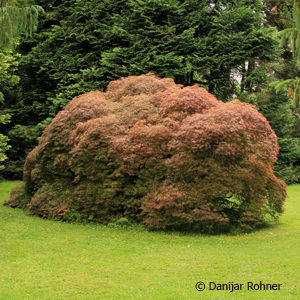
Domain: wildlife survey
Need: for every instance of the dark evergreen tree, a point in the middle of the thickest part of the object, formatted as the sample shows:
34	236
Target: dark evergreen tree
82	45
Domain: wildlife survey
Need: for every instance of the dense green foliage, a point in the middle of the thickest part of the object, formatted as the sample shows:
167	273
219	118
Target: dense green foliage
17	17
8	80
173	157
280	100
275	105
82	45
290	36
278	96
229	47
272	101
3	140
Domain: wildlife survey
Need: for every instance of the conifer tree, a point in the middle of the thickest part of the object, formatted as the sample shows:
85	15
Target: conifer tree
290	37
82	45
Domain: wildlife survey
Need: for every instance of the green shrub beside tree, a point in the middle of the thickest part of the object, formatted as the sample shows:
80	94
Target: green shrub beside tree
8	66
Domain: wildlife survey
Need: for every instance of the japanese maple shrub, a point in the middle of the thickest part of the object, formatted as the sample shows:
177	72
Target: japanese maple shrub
169	156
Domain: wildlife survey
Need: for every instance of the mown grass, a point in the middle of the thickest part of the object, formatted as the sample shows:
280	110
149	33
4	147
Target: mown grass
42	259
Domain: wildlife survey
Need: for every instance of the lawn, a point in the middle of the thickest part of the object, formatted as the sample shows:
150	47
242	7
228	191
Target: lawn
42	259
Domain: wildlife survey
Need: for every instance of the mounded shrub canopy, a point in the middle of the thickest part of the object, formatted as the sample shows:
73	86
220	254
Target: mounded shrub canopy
169	156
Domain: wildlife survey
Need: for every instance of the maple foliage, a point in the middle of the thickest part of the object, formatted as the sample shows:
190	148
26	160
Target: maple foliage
170	156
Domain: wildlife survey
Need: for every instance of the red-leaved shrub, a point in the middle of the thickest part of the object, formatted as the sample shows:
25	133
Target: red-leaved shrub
169	156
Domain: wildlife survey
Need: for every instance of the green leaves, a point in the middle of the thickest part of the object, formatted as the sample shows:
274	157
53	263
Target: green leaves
82	45
3	147
16	18
4	119
293	87
8	65
235	38
291	37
